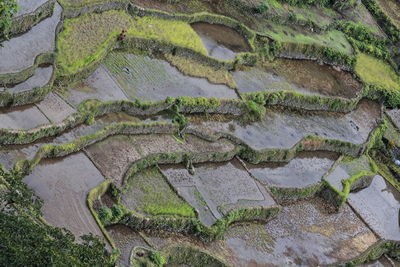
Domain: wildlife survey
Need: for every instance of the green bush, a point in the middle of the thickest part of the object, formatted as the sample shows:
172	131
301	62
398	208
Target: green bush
8	8
157	258
105	215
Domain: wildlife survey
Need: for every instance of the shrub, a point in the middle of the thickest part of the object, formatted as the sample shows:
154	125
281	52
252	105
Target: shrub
8	8
157	258
105	215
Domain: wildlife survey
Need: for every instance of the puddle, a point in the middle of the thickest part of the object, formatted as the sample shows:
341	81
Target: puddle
28	6
283	129
99	85
113	156
222	186
221	42
304	170
63	184
150	79
379	206
125	239
55	108
21	118
20	52
40	78
302	76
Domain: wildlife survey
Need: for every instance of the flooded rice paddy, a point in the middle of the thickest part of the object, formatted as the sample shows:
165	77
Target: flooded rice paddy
199	173
218	187
20	52
284	129
149	79
306	169
63	184
304	76
379	206
40	78
221	42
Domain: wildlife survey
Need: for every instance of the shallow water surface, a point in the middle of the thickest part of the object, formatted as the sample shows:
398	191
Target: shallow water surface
379	206
304	170
221	41
149	79
20	52
63	184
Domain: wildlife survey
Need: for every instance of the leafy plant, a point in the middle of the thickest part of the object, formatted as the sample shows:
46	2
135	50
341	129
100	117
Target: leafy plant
8	8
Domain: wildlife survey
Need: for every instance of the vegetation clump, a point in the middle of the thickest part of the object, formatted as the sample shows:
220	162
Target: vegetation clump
8	8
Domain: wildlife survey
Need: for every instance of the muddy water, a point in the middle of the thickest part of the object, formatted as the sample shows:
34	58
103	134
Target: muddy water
221	41
21	118
379	206
99	85
63	184
150	79
125	239
283	128
40	78
303	76
28	6
113	156
223	186
302	234
304	170
20	52
55	108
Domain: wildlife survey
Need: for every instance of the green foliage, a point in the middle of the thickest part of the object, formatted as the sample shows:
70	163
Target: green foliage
105	215
19	193
8	8
255	110
158	259
26	243
384	20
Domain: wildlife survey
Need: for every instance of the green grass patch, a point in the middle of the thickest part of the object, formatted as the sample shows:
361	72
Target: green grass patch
88	38
148	192
333	39
376	72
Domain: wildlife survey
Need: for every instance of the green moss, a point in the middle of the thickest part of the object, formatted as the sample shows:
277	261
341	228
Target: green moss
376	72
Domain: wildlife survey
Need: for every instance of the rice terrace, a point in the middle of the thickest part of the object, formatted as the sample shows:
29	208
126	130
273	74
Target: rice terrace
216	133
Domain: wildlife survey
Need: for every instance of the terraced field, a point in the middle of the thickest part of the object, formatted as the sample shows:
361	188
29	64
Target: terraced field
200	133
